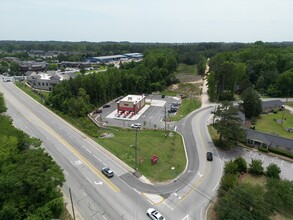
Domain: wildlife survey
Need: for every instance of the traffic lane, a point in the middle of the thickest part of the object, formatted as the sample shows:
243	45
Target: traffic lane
208	174
78	164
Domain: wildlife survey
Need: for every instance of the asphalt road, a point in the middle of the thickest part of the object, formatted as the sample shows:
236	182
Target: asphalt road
95	196
124	196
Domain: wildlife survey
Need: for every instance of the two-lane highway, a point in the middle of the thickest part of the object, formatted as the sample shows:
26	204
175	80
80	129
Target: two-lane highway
95	196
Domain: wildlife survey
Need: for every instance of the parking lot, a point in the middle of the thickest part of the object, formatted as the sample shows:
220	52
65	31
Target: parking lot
151	116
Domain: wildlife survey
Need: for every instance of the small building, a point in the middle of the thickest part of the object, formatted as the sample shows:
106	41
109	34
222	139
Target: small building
271	105
131	103
259	139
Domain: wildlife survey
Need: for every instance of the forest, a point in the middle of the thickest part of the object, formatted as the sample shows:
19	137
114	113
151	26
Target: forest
30	180
268	68
188	53
77	97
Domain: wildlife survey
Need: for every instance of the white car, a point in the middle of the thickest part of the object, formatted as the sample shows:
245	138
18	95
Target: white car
154	214
136	125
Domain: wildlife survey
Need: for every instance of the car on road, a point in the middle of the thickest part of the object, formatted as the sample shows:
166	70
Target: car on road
209	156
107	172
154	214
136	125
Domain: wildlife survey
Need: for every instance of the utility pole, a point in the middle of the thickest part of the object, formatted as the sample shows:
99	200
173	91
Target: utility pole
72	204
165	121
135	150
284	109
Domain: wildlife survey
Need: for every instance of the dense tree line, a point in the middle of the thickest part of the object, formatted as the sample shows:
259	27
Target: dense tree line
266	67
188	53
78	96
239	200
30	180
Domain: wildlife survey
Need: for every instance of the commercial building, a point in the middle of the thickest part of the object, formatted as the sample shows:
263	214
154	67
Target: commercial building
107	59
130	104
115	58
46	81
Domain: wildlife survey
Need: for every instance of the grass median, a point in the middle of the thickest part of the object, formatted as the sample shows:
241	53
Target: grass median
169	150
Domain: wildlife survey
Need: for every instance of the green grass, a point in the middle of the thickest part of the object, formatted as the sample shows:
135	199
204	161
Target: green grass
184	69
187	106
290	104
253	180
267	124
169	150
213	133
35	95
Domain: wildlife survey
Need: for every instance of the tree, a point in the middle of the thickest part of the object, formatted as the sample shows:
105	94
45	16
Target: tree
2	104
230	167
280	195
228	125
256	167
285	82
241	164
201	66
14	68
273	171
243	202
251	103
227	182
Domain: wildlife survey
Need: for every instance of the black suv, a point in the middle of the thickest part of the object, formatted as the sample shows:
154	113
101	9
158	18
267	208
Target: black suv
209	156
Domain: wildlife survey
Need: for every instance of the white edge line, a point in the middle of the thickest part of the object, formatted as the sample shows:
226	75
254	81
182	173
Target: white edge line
216	185
168	206
137	191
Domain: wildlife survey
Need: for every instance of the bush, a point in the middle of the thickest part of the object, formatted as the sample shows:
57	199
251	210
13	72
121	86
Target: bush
273	171
256	167
281	152
241	164
230	167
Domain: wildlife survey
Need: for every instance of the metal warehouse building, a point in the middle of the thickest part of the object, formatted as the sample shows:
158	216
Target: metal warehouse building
108	59
130	104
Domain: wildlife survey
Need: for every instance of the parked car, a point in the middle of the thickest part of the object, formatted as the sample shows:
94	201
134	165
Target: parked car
98	111
209	156
106	106
154	214
136	125
163	96
172	110
107	172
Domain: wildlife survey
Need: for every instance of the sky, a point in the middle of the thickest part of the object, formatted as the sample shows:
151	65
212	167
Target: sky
170	21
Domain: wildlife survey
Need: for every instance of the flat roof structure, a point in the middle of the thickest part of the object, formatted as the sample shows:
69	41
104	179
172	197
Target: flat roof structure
132	98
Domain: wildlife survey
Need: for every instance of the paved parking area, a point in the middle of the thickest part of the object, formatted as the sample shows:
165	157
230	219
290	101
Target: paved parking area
151	116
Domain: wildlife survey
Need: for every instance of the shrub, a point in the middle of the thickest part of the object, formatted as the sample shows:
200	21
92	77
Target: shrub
256	167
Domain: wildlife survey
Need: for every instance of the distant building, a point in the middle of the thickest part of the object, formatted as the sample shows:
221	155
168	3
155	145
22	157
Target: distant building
75	64
134	55
32	66
115	58
131	103
271	105
107	59
47	81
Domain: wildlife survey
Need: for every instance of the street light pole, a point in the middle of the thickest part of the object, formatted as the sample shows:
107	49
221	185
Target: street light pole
135	150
